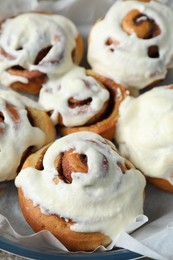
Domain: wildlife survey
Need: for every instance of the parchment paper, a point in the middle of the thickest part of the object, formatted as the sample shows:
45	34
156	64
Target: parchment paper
155	238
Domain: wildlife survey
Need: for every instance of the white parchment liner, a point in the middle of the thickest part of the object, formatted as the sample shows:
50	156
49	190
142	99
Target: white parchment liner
154	239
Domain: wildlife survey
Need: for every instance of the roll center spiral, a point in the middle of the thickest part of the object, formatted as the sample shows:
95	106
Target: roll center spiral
139	23
69	162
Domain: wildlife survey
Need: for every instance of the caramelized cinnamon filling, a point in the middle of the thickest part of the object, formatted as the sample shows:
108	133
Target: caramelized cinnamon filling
19	49
1	117
39	164
69	162
108	109
13	112
30	117
1	120
123	167
111	104
26	153
141	24
58	166
7	55
144	1
83	158
73	54
105	163
111	42
73	103
18	68
38	59
42	54
153	51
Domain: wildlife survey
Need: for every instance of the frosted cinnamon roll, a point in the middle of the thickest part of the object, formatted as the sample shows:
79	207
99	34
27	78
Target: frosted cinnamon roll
80	189
34	46
24	128
82	100
132	44
144	133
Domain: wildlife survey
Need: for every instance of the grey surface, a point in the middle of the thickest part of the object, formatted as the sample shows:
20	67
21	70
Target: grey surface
7	256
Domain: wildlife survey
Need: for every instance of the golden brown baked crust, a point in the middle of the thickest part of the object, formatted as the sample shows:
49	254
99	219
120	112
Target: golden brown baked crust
161	184
35	80
77	53
106	125
60	228
40	119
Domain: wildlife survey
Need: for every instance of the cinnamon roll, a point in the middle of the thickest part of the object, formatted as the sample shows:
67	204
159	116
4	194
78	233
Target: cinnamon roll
132	44
80	189
144	133
34	46
82	101
24	128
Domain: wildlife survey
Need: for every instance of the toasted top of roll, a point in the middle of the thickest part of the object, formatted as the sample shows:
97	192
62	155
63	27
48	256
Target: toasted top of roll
145	132
132	44
95	194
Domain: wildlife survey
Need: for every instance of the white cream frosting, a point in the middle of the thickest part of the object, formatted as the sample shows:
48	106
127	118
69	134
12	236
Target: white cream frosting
104	199
16	136
127	62
56	92
145	132
24	36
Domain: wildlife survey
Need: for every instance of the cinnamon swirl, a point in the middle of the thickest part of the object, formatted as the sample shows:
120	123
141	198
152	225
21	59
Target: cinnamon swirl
82	101
132	44
81	190
24	128
34	46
